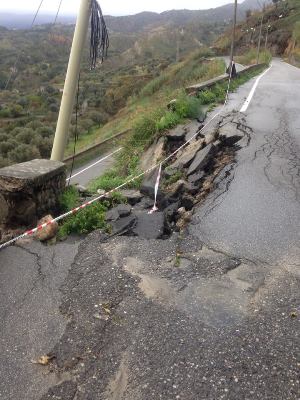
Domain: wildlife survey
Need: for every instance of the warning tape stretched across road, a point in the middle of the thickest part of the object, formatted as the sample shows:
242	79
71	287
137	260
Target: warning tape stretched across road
88	203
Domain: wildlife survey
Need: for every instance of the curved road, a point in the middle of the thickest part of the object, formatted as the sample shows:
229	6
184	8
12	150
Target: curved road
256	214
224	324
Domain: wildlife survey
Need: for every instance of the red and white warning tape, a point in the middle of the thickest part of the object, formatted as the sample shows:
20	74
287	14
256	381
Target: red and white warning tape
83	206
156	191
77	209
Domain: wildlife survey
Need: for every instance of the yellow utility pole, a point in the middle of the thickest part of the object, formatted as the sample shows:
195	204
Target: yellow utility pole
69	93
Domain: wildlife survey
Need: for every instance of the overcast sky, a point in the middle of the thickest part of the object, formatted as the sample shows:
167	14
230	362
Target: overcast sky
112	7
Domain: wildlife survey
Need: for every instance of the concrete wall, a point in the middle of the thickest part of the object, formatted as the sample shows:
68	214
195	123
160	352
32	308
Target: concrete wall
29	191
194	89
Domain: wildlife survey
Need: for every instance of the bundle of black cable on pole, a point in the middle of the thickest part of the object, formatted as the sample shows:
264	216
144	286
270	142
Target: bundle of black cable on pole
99	35
99	44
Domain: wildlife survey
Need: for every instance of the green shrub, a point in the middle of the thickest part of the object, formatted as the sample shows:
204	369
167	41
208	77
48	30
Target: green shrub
143	129
69	199
153	86
265	57
167	121
207	97
85	221
173	178
109	180
188	107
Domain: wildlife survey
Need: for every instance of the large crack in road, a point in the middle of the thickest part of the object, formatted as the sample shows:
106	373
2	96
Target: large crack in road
211	312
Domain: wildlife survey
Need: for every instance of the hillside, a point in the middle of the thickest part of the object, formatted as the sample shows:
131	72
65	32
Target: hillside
152	44
280	31
141	21
29	108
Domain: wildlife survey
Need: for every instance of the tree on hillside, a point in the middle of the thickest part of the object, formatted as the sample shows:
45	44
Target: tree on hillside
296	39
24	152
296	33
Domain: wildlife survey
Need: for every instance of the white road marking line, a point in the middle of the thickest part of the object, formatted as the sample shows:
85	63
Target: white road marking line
91	166
251	94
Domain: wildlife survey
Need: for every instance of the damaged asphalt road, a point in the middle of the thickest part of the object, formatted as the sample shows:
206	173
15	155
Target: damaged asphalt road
145	326
210	313
30	277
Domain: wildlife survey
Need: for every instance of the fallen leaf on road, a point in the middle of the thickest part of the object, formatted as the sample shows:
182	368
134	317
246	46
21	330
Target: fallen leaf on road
106	309
43	360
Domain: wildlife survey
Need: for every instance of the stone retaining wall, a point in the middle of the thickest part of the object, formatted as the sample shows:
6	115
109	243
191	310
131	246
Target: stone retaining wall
29	191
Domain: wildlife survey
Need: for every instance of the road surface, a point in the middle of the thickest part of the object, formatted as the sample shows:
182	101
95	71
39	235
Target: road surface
30	279
93	169
222	322
214	314
257	216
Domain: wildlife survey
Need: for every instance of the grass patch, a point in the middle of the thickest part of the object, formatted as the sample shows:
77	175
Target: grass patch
155	95
249	58
173	178
151	124
217	93
145	130
69	199
85	221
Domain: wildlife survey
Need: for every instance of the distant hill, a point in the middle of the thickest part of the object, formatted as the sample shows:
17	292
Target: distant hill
23	21
282	22
148	20
138	22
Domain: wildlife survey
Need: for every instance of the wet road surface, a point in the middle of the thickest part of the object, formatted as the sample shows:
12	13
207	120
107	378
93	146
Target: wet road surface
255	213
139	322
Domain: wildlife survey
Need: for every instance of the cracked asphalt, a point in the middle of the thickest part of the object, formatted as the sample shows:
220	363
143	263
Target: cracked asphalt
31	323
257	215
209	314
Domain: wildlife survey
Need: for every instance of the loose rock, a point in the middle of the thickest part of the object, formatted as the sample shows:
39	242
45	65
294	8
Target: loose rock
177	133
196	178
132	196
121	211
153	155
229	134
49	232
150	226
187	155
178	188
201	160
123	225
148	186
187	201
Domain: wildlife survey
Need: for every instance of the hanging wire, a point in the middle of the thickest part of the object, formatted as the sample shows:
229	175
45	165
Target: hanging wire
58	11
99	35
20	53
55	21
99	44
76	135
